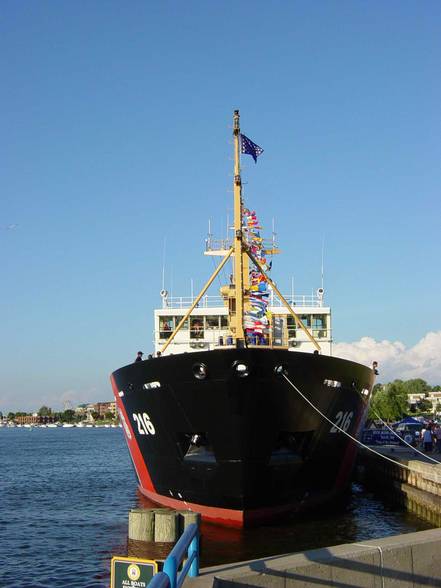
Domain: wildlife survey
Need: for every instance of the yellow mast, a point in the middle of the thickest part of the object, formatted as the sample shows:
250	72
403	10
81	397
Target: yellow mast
236	325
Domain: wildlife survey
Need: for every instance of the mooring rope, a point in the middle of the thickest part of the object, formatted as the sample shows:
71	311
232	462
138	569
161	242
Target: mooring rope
403	440
402	465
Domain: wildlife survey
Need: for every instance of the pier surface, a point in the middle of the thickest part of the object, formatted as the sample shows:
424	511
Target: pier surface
403	561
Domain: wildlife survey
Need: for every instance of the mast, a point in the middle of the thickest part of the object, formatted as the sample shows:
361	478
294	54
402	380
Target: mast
237	323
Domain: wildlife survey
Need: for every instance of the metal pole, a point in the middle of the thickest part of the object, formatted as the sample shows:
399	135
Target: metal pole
193	306
290	310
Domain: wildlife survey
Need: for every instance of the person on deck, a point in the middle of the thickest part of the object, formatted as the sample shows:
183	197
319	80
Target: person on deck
139	356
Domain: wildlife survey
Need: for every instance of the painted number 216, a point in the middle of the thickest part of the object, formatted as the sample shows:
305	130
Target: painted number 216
343	421
145	425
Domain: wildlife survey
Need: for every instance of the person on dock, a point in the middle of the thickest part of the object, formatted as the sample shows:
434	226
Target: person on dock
139	356
427	439
437	435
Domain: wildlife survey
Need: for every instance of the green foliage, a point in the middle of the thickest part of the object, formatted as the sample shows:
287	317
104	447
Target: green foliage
424	405
45	411
68	416
389	401
416	386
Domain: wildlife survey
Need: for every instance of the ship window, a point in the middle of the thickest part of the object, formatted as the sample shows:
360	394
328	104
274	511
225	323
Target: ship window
166	326
224	321
196	327
319	325
291	326
212	322
178	319
306	319
318	321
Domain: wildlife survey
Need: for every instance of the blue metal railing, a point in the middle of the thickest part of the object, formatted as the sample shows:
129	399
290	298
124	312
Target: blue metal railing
188	545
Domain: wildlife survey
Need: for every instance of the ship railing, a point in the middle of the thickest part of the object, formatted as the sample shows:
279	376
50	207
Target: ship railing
186	547
177	302
187	301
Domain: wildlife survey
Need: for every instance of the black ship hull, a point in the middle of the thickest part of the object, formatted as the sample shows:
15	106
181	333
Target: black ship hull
234	440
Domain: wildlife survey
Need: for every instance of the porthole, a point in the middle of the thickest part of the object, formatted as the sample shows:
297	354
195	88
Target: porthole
200	371
280	370
240	369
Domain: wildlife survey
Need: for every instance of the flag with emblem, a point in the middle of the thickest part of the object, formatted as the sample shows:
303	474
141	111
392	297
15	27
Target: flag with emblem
250	148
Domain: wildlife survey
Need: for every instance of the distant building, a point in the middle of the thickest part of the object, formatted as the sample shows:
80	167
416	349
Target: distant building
34	419
102	408
433	397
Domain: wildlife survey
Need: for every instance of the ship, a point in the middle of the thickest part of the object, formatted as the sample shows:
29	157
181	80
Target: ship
242	413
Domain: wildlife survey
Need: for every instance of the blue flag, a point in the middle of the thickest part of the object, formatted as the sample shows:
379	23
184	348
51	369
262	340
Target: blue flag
250	148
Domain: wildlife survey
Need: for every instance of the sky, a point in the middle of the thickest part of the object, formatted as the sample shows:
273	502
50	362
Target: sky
116	150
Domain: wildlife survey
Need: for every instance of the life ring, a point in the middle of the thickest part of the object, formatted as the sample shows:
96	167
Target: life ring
408	438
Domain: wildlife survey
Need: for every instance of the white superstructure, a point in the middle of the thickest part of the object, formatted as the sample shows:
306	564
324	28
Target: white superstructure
207	326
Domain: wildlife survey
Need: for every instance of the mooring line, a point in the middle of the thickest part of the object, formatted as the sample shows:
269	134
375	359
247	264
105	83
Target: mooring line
402	465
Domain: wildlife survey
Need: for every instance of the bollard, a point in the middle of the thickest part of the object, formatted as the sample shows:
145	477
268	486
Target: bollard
141	524
166	527
187	517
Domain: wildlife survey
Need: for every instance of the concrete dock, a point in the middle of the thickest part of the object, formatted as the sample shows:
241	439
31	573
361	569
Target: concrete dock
417	486
403	561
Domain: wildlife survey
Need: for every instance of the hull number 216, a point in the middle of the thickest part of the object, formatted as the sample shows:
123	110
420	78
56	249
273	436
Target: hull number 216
343	421
145	425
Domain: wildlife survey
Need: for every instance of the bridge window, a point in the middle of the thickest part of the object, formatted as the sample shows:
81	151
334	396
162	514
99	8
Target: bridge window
196	327
319	325
212	322
166	326
178	319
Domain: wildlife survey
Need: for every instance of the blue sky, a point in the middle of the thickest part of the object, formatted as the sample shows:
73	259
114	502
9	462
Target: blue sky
116	133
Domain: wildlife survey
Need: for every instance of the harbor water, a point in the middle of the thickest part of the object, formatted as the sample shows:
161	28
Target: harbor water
65	494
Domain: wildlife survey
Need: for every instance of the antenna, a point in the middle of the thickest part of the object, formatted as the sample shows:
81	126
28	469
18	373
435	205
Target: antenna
171	282
163	264
323	256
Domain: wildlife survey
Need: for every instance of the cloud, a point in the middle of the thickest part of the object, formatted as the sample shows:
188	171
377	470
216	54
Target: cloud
423	360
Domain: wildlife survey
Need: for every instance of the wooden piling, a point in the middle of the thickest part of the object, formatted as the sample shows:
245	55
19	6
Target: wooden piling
166	527
153	532
141	524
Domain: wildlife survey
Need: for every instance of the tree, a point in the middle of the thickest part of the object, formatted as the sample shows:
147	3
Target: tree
390	403
68	415
416	386
109	416
45	411
424	405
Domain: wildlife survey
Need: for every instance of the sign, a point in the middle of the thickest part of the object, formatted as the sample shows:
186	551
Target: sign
130	572
379	437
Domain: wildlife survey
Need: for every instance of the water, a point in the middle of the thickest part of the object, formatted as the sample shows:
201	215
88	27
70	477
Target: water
64	501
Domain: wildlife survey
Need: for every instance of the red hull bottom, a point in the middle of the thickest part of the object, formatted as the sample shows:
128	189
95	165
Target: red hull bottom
238	518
